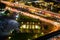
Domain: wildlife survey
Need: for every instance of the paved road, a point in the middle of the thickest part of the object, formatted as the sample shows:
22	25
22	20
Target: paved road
37	11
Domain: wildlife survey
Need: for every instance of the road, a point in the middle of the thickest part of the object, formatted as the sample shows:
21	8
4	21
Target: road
36	11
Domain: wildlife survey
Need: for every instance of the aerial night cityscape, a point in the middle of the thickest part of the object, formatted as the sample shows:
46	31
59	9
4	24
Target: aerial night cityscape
29	19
